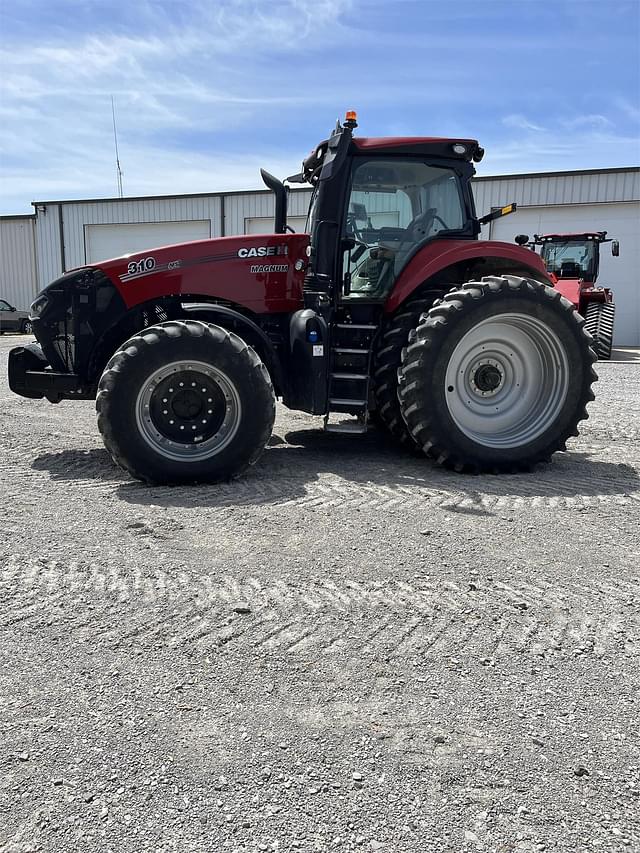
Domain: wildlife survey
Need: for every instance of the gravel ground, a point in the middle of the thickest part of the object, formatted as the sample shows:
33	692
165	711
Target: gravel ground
348	649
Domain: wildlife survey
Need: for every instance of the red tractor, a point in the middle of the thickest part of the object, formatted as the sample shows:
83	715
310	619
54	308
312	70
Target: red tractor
573	261
388	305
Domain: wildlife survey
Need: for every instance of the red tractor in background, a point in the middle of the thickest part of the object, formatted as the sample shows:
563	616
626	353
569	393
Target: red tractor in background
388	305
573	262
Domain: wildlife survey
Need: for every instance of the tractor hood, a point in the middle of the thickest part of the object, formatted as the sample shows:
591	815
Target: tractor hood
261	272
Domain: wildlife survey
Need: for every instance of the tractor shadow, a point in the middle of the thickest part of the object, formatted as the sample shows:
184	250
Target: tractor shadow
308	460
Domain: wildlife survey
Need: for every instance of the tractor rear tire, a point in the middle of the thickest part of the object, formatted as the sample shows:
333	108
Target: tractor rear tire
185	401
497	376
386	362
599	321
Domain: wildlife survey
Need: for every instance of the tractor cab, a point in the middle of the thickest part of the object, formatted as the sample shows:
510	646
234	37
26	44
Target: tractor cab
573	263
376	203
574	256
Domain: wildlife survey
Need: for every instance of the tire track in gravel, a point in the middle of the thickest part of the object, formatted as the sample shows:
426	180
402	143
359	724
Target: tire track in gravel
432	618
581	485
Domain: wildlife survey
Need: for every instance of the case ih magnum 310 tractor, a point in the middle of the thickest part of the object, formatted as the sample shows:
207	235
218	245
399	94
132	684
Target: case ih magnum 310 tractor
388	305
572	261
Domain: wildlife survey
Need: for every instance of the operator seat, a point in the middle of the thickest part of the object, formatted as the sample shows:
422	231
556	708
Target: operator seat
416	232
570	269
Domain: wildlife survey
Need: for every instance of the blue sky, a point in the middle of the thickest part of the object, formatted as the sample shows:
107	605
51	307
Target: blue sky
207	92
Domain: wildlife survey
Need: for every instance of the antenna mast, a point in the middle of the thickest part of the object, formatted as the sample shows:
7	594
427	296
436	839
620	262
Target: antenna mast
115	140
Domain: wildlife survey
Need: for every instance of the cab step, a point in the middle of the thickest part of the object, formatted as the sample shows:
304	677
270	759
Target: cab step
355	326
354	427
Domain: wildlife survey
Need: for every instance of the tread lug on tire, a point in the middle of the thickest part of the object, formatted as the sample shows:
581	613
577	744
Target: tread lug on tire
387	359
497	382
599	320
185	401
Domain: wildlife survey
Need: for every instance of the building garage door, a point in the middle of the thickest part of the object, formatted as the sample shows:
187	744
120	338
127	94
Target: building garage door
264	224
111	241
620	221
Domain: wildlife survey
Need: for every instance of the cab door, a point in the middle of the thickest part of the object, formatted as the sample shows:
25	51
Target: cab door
394	207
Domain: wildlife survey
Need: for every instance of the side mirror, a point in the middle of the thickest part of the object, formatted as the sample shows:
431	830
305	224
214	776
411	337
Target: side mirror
522	239
615	248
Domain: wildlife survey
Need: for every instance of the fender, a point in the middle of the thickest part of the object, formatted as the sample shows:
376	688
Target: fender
243	326
441	254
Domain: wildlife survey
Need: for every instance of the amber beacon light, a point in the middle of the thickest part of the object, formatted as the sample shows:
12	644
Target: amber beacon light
351	119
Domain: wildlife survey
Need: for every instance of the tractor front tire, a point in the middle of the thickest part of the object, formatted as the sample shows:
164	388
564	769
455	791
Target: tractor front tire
185	401
497	376
599	321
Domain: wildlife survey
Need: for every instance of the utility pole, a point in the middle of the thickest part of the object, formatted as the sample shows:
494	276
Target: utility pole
115	140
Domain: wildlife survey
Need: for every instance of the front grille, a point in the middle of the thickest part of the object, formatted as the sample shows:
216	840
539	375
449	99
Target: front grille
63	344
81	306
54	331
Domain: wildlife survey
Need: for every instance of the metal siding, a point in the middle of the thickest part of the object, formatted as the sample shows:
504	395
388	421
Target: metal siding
48	249
260	204
76	216
532	191
18	278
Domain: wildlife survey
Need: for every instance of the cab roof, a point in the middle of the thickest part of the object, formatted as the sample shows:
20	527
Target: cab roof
434	145
598	236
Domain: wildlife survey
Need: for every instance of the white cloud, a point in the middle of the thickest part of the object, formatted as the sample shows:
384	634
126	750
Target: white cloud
595	121
631	111
549	152
520	122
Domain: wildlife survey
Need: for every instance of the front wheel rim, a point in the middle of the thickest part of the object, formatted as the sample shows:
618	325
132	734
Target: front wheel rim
188	411
507	381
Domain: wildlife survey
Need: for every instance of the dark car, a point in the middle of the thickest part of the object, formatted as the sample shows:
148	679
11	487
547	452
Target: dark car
12	320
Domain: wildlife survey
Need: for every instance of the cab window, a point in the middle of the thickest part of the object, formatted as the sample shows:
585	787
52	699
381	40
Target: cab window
394	207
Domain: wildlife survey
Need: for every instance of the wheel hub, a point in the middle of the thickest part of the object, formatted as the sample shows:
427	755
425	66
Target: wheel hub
188	410
186	404
487	377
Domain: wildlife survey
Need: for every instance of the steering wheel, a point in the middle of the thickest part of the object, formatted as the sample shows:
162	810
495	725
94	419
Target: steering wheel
422	224
352	227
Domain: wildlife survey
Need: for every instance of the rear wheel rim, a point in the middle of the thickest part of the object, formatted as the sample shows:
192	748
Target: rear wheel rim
507	381
28	328
188	411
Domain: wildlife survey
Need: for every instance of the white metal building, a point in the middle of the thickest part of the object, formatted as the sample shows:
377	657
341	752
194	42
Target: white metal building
61	235
18	265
